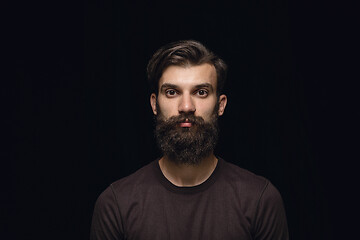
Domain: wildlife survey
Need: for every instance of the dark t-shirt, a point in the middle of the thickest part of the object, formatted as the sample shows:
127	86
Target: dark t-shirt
232	203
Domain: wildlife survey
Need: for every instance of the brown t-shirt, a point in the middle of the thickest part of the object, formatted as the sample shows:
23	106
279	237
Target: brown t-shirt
232	203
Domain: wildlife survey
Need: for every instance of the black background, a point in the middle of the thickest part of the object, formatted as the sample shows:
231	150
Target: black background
81	119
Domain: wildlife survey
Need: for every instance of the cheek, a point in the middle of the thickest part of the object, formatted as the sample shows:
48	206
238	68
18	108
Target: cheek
166	109
206	110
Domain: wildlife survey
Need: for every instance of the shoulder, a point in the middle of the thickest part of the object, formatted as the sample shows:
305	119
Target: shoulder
142	178
244	180
129	187
109	206
249	187
260	200
119	194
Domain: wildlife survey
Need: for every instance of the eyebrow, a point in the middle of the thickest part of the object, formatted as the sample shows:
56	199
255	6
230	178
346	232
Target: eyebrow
168	85
203	85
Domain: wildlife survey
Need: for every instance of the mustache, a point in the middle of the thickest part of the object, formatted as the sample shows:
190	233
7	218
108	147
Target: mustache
184	117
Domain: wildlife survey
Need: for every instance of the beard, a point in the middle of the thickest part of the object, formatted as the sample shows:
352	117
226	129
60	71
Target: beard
184	145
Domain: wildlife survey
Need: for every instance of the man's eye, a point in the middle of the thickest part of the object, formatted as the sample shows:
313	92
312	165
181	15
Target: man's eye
202	92
170	92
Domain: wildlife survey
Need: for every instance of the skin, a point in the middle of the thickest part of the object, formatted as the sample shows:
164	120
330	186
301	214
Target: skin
188	90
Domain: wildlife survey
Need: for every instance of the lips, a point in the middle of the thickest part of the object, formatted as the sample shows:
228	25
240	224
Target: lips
186	124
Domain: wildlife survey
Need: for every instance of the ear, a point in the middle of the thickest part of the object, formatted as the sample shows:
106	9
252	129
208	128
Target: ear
222	104
153	103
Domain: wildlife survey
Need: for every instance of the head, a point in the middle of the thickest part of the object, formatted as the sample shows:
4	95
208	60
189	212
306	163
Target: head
187	82
184	54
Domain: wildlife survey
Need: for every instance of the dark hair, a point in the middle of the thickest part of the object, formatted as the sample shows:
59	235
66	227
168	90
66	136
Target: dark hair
184	53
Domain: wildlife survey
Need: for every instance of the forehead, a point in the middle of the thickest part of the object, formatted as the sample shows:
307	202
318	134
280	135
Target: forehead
189	75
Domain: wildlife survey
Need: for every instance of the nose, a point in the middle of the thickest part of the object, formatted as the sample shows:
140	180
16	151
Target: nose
186	104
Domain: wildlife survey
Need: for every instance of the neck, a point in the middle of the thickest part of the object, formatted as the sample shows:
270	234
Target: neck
184	175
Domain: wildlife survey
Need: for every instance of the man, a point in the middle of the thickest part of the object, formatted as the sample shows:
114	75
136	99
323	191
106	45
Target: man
189	193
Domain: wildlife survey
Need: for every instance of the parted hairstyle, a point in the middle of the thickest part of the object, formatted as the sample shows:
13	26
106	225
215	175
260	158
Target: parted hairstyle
184	53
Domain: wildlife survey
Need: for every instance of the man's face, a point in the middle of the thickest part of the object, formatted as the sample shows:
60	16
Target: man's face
188	90
186	110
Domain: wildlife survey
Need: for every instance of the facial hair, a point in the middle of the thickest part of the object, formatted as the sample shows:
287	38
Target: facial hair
184	145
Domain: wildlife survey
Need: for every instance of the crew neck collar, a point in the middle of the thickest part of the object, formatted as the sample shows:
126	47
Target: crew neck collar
187	190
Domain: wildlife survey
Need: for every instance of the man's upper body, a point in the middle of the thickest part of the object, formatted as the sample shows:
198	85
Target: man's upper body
189	193
231	204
